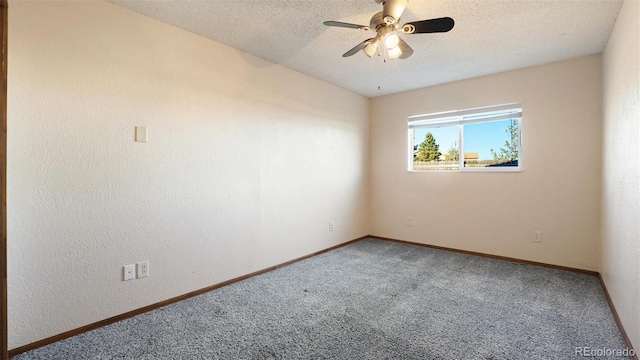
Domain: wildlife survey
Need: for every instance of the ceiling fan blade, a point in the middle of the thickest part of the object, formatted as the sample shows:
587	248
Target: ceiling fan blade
443	24
345	25
406	49
392	10
357	48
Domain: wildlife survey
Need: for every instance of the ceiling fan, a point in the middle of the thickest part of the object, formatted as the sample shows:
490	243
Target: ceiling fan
386	25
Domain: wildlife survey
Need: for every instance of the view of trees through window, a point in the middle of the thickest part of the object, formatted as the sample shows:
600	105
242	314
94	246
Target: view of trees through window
481	145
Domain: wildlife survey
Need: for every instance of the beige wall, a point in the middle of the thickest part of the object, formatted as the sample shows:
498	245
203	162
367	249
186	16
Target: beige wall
558	191
246	164
621	169
222	188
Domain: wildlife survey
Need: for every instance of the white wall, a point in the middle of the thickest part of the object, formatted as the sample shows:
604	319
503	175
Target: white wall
558	191
621	169
246	164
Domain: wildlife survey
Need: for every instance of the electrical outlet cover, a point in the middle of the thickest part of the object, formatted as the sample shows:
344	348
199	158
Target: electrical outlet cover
143	269
129	272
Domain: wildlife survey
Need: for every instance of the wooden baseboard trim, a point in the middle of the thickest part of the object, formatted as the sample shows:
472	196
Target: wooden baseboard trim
625	337
111	320
623	333
497	257
148	308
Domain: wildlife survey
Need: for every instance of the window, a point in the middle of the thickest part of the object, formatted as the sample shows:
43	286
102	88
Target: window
482	139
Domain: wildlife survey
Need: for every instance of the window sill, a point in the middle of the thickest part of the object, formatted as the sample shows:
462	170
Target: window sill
469	170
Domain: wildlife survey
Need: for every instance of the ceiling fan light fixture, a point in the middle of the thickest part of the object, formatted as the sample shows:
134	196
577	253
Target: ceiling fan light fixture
394	53
405	50
391	41
372	47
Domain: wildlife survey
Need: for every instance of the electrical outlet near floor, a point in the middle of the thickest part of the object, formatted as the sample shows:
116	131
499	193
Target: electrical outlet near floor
331	226
143	269
129	271
409	222
537	236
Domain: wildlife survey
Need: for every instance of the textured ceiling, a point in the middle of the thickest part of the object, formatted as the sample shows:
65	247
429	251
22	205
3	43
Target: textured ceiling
489	36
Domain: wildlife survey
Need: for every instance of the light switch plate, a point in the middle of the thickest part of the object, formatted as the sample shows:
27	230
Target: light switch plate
141	134
537	236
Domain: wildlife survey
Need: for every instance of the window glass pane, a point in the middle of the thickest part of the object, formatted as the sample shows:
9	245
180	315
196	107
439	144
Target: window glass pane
491	144
435	148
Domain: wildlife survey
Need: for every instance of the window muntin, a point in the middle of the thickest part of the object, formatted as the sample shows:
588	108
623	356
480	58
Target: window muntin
483	139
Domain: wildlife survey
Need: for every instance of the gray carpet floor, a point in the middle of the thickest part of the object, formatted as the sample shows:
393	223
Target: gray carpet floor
372	299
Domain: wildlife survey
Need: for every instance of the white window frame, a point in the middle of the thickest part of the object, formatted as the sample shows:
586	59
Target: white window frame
461	118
